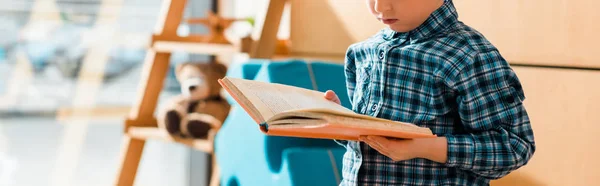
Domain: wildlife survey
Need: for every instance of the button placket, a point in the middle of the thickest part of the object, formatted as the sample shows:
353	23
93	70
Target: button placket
374	106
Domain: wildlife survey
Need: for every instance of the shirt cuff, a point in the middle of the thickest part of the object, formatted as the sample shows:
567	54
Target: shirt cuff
461	151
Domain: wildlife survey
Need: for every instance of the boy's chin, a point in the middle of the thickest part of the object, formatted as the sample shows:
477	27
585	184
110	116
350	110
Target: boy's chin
402	28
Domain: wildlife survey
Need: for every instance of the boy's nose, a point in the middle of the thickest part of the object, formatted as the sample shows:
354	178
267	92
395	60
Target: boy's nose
382	6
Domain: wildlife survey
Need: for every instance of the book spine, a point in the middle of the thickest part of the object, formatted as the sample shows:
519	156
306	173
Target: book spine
234	96
264	127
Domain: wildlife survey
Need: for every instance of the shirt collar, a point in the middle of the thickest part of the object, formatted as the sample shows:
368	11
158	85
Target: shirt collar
439	20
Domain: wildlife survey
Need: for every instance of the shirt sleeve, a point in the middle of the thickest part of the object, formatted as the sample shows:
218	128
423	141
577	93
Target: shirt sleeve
497	136
350	73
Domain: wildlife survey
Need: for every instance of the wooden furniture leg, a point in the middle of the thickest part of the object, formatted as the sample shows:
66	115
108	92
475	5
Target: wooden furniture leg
141	124
153	75
267	30
215	176
130	160
154	72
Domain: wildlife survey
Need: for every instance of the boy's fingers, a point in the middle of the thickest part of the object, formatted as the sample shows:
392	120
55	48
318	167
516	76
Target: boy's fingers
381	141
379	148
362	138
375	144
330	95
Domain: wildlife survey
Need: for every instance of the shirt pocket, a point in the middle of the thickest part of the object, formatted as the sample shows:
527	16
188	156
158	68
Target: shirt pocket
511	100
494	109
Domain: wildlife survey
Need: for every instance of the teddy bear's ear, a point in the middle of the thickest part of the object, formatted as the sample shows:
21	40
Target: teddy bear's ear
219	69
179	67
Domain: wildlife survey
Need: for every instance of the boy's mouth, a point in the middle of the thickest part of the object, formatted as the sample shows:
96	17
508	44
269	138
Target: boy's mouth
388	21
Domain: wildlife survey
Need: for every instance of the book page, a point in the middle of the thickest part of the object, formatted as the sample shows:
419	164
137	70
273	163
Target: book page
270	99
347	120
379	124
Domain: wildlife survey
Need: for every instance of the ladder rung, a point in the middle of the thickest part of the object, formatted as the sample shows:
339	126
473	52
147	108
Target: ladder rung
154	133
198	48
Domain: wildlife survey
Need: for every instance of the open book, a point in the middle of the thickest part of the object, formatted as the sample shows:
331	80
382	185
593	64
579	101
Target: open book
283	110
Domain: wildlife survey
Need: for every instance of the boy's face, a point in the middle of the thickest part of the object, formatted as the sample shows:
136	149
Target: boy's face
403	15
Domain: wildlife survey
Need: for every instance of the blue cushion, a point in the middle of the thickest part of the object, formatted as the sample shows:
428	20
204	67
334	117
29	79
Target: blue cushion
289	72
246	156
313	166
245	69
296	73
330	76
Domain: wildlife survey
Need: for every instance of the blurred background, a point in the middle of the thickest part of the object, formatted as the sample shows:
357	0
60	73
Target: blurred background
57	56
70	72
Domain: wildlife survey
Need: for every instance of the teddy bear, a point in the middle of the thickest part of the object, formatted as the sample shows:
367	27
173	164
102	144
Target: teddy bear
200	109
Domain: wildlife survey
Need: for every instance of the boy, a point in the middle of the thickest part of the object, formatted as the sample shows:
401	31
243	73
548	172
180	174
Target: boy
432	70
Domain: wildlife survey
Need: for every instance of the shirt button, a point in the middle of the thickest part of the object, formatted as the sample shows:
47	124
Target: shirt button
510	99
381	55
373	108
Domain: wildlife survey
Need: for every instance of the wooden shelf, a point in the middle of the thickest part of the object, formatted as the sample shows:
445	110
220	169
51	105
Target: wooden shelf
163	43
155	133
198	48
65	113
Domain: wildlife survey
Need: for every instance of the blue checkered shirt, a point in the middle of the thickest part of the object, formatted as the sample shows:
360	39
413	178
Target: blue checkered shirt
445	76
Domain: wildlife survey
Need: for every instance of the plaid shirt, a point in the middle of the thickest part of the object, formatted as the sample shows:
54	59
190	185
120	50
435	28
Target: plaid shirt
445	76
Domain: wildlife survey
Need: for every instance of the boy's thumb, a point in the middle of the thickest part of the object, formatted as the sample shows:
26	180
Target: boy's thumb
329	94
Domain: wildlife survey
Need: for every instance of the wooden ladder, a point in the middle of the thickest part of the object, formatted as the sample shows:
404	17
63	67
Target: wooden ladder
141	125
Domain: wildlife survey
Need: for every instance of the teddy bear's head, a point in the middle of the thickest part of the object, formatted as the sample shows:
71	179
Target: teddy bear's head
199	80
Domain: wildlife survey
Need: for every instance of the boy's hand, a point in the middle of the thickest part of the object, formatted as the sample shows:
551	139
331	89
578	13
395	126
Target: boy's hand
331	96
434	149
395	149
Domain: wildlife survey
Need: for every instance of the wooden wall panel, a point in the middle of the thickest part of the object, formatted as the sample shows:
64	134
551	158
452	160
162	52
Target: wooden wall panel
328	27
544	32
538	32
564	105
564	109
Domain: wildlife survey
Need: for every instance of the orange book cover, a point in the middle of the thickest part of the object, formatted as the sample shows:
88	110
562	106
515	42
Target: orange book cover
317	118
